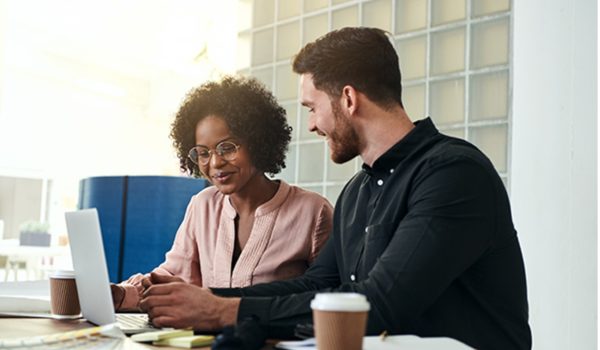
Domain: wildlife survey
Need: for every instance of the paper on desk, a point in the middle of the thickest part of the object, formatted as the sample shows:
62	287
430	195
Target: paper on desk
404	342
305	344
13	303
35	307
25	299
36	289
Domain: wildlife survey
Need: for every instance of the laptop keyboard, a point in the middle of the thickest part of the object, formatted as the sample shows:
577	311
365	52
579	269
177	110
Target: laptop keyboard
133	321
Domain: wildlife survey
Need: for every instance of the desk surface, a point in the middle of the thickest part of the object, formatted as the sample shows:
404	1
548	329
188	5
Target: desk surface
27	327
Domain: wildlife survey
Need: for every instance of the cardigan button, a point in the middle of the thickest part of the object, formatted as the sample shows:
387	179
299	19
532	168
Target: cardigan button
380	182
352	277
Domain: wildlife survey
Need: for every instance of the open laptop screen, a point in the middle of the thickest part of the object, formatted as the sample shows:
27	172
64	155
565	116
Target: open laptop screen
89	263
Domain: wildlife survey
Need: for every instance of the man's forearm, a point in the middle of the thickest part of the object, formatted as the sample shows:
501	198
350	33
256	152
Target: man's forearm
228	311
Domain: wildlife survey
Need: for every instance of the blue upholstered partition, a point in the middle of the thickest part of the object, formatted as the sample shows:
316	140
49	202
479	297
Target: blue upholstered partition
139	216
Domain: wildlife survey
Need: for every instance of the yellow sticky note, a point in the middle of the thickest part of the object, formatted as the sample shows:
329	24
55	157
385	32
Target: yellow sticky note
187	342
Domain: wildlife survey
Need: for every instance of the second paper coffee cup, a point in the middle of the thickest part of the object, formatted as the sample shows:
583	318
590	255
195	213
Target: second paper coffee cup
64	300
340	320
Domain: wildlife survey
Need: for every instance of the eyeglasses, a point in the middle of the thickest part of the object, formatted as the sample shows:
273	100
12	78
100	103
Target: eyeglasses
201	154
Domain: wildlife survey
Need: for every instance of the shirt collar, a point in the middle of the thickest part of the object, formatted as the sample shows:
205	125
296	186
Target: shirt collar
265	208
418	136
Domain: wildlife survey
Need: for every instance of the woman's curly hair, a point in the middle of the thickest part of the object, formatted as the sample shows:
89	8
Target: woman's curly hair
251	112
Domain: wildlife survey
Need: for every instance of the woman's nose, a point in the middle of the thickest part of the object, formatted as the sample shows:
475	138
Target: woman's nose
216	160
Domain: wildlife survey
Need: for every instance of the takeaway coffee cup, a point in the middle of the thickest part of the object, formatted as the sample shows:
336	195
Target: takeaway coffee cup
63	294
340	320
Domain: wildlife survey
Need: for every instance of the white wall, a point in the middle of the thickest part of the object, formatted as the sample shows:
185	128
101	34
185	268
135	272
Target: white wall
554	165
88	102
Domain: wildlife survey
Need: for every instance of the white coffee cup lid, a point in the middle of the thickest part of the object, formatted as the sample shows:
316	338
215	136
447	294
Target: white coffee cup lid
340	302
63	274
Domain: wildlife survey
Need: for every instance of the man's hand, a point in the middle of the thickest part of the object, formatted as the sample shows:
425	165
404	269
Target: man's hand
170	302
147	280
118	294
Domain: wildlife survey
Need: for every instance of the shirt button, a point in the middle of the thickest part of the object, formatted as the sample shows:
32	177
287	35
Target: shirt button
391	171
352	277
380	182
366	230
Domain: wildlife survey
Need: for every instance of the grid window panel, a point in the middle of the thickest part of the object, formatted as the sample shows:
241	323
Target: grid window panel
265	76
445	11
488	7
263	13
447	101
346	17
291	113
413	98
312	5
489	43
317	189
459	133
410	15
262	47
304	133
489	96
378	14
311	162
244	50
314	27
413	57
448	51
492	140
332	193
435	41
288	9
244	72
288	40
286	82
244	15
339	172
289	172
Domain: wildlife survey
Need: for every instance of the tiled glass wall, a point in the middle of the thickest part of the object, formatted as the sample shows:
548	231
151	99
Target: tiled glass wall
454	57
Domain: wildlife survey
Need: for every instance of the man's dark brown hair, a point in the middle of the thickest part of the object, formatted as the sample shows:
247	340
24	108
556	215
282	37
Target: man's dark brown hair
361	57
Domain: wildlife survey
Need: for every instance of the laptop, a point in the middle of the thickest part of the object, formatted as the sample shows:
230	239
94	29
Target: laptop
91	274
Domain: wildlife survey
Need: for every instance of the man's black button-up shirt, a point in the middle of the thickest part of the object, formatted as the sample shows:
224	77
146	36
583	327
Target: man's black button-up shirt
427	235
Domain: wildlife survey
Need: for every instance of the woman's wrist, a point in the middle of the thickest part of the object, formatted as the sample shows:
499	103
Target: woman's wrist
121	293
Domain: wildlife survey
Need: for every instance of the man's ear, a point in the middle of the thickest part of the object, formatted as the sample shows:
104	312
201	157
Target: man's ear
349	99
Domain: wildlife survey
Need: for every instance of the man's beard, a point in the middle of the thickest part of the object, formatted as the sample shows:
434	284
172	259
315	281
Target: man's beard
343	140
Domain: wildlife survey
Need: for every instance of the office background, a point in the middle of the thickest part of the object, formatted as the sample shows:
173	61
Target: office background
90	89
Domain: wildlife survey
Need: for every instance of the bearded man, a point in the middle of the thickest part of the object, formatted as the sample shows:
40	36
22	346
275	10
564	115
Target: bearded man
423	230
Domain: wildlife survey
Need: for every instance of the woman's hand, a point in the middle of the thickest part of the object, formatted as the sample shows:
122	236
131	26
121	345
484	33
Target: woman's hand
118	294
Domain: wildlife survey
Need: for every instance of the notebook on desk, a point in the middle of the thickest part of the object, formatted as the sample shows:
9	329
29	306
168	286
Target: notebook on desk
91	274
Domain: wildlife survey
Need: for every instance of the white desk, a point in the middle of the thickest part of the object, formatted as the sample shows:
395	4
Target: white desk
31	256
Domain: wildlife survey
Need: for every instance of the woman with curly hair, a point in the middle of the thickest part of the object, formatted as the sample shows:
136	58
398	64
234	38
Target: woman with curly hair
247	228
